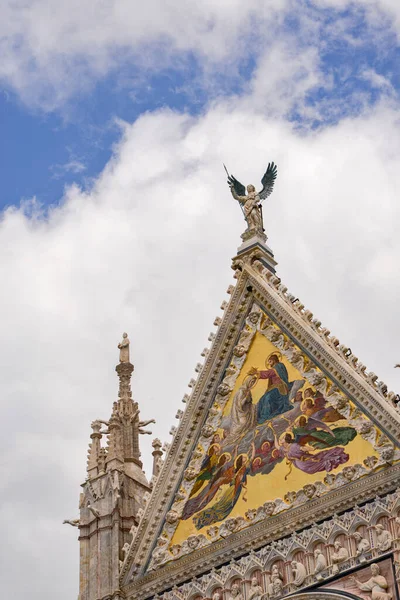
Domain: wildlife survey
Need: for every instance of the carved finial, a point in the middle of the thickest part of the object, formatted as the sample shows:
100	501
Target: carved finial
157	455
94	449
124	349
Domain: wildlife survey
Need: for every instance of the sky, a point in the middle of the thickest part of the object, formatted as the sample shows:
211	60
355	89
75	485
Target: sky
115	119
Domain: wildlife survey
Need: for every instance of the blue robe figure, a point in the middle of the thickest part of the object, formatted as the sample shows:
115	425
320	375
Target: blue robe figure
275	400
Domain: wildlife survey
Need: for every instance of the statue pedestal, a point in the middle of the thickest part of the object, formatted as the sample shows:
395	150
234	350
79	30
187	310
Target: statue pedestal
258	242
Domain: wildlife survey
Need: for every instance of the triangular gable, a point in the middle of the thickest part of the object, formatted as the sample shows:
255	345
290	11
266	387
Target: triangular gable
279	442
320	396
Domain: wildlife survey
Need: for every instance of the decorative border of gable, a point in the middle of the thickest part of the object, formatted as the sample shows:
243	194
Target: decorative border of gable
254	284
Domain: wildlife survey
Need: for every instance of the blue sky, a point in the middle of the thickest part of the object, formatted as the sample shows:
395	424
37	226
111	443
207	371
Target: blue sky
42	151
115	119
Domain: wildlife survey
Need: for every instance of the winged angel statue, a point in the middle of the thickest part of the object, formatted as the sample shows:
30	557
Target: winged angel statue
251	203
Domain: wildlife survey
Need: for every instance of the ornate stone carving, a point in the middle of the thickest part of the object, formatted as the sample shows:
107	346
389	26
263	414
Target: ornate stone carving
207	431
325	531
172	516
363	544
319	564
309	490
255	591
299	573
236	594
276	582
190	473
339	556
72	522
124	349
377	585
384	538
223	389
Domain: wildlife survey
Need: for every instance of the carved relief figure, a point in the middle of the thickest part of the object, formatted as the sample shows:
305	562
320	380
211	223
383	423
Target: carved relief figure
236	594
377	585
383	538
276	586
363	544
340	555
299	573
124	349
320	563
256	591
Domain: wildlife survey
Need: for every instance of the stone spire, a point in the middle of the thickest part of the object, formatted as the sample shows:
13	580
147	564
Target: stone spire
115	456
128	413
114	492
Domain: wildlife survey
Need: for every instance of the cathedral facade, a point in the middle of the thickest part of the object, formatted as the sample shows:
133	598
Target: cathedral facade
282	477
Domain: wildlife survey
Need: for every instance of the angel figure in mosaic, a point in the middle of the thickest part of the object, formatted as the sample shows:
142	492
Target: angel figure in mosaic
314	405
251	203
316	433
304	457
208	467
223	474
223	507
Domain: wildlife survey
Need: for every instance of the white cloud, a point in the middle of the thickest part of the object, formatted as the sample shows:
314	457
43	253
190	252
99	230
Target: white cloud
377	81
53	51
148	251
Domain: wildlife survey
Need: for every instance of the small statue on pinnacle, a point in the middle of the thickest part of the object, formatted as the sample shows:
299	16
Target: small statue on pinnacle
124	349
251	203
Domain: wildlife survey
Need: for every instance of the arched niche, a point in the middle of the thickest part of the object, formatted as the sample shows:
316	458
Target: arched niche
234	581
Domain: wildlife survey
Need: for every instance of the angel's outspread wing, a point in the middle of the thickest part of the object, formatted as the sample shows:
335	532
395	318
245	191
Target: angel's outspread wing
268	180
237	186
